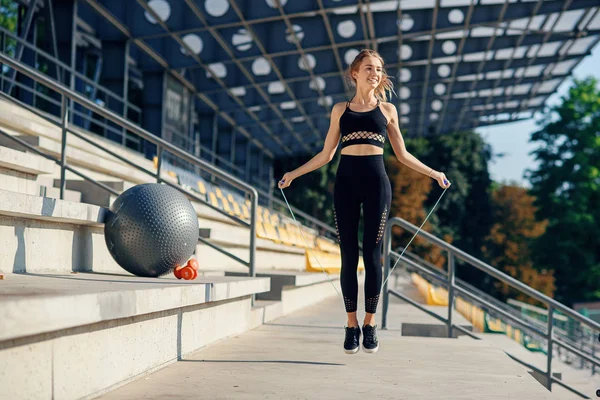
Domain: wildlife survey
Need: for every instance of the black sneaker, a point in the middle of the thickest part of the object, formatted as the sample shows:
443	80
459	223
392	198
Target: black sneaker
352	340
370	343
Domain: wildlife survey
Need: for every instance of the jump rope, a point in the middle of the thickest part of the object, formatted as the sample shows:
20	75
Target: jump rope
401	254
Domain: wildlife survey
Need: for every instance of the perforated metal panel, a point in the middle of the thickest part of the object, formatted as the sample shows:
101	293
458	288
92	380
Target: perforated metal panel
151	228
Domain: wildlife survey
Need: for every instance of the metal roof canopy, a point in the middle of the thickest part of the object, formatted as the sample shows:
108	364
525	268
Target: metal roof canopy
272	69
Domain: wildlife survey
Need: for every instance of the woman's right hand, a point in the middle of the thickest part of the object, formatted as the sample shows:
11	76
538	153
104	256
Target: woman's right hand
286	180
440	177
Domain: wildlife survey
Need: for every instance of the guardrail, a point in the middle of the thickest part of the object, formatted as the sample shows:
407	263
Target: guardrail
455	290
67	95
97	93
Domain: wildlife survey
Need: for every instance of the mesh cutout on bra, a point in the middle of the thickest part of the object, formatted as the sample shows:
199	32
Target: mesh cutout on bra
350	304
371	304
364	135
382	225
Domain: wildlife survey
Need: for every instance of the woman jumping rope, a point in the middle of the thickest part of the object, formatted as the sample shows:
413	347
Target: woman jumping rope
364	124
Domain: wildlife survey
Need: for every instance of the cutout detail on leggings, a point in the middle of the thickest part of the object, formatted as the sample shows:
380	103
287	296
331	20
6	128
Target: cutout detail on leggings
382	225
336	226
349	304
371	304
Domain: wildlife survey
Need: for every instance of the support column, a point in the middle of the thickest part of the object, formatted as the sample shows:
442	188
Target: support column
28	31
114	77
25	30
152	104
65	12
205	134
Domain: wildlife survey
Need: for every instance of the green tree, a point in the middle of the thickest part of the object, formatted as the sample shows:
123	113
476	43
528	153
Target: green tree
9	10
8	15
567	187
509	243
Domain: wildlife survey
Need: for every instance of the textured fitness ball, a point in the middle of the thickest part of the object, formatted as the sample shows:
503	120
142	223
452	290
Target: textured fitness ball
150	229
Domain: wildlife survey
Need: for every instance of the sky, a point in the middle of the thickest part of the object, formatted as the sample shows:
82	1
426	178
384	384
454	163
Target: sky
512	139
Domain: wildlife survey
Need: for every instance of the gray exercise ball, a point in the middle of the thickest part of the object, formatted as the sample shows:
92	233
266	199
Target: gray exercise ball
150	229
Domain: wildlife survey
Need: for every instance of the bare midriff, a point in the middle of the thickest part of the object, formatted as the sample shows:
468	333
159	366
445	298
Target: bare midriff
362	150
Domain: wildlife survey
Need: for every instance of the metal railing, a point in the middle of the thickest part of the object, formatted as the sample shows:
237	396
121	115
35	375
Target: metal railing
455	290
96	92
68	95
90	88
585	343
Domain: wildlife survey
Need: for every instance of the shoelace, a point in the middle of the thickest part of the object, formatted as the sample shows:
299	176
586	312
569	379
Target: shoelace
350	335
369	334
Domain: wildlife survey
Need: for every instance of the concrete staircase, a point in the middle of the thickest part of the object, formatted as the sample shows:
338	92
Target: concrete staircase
416	323
300	356
74	323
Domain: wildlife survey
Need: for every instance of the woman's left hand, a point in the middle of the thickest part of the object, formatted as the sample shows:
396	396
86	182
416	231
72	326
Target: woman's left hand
440	177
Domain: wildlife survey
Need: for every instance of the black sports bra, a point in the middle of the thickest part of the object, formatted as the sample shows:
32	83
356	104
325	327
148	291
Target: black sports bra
369	127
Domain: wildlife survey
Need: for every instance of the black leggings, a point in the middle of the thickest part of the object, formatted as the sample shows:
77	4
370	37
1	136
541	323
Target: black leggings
361	180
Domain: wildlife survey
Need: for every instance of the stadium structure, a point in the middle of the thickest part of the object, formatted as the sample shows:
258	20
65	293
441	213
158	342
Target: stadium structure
100	96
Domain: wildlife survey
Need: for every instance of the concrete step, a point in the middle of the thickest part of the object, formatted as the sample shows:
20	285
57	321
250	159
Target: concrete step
296	290
112	172
268	256
48	189
73	336
284	279
30	173
581	380
92	193
301	357
23	122
415	322
83	158
40	234
19	171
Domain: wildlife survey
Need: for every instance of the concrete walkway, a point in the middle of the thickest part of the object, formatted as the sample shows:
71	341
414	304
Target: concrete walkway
301	357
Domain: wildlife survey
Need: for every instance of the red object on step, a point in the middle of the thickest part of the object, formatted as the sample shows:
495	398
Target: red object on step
177	272
193	263
188	273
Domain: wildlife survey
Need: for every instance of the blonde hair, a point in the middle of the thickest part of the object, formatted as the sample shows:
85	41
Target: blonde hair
385	87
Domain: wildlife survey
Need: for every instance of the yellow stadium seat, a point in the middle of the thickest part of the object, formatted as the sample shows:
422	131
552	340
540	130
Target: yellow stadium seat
317	261
213	200
245	211
226	206
325	244
236	209
202	188
433	296
439	295
260	231
494	324
284	235
271	232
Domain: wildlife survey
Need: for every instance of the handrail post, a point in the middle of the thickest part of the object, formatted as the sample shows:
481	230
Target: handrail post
387	249
252	258
593	355
549	337
63	145
2	40
158	161
450	290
